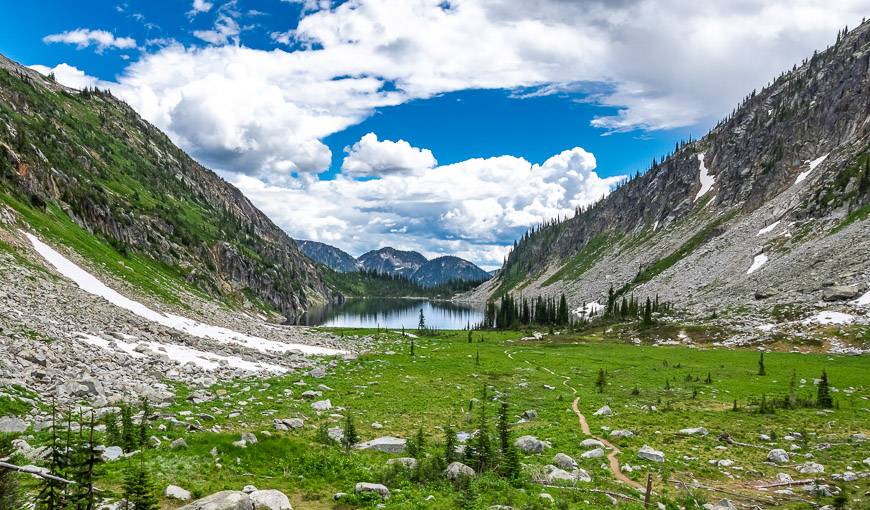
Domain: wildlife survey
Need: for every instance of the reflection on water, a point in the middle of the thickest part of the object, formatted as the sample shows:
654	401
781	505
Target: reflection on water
393	313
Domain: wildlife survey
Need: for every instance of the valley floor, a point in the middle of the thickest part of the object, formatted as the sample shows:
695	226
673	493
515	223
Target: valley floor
653	391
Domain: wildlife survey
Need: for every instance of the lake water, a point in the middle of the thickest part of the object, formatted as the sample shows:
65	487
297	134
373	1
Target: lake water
393	314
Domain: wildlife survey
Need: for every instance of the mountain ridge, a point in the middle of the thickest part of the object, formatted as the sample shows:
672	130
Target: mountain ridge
794	153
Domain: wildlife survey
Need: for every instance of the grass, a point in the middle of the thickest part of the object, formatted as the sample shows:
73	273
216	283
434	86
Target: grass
579	263
438	385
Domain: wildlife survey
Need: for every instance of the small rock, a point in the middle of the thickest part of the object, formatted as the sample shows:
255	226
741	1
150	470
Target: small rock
564	461
649	453
270	500
380	489
778	455
604	411
386	444
321	405
698	431
531	444
593	454
111	453
178	443
176	492
407	462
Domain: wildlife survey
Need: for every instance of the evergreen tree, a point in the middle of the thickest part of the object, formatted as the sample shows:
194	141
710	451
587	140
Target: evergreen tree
481	454
647	313
510	459
129	434
139	490
823	395
10	495
449	444
601	382
761	370
477	358
469	336
417	445
113	434
709	379
792	389
52	493
349	435
322	435
412	348
143	423
421	325
83	458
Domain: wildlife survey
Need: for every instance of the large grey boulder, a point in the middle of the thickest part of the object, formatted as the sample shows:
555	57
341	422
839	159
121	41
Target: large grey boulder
531	444
604	411
177	493
224	500
697	431
12	425
458	470
386	444
111	453
593	454
377	488
321	405
591	443
564	461
288	423
649	453
270	499
841	292
555	475
778	455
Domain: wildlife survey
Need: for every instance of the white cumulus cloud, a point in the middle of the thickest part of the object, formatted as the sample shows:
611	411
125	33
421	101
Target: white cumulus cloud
372	157
200	6
84	37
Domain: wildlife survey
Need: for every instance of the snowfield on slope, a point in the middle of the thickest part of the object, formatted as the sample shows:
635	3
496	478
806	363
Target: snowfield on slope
813	164
90	284
757	262
705	177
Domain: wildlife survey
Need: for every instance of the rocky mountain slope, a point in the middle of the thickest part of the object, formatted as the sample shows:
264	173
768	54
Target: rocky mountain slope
85	170
329	256
770	207
444	269
392	261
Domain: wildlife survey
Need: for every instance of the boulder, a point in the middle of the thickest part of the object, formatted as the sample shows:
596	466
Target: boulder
778	455
335	433
531	444
697	431
593	454
649	453
564	461
840	292
248	437
111	453
555	475
224	500
12	425
386	444
321	405
591	443
621	433
811	468
178	443
270	500
530	414
604	411
458	470
381	490
723	504
288	423
176	492
318	373
407	462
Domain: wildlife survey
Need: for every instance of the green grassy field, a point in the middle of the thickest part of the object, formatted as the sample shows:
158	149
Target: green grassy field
434	388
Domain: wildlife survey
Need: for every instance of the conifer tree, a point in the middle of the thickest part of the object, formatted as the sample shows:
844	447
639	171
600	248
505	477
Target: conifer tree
481	451
477	358
469	336
421	325
139	492
601	382
52	493
761	370
349	435
510	459
83	459
10	495
129	434
823	395
113	434
449	444
417	444
647	313
412	348
143	423
792	389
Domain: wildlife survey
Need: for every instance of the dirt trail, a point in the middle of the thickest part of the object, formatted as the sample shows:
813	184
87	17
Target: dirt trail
584	427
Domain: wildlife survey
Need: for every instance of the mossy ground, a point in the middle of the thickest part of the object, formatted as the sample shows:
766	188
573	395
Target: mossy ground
434	388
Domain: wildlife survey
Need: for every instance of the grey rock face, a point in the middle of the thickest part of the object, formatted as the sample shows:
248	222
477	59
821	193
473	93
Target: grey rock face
12	425
458	470
224	500
386	444
377	488
531	444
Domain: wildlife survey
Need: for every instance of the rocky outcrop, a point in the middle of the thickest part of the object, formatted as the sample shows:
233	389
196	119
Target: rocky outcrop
392	261
780	186
97	164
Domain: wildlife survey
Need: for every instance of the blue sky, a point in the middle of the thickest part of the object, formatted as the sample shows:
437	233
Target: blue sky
446	127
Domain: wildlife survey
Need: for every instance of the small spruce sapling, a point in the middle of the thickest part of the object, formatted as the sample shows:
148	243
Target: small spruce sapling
823	394
349	435
601	381
449	444
761	370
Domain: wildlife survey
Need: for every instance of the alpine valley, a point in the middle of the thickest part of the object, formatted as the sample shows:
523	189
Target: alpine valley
696	339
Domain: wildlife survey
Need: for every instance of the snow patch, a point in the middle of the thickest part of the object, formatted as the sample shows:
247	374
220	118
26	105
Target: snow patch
768	229
589	309
813	164
863	300
757	262
181	354
705	177
656	225
830	318
90	284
